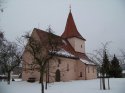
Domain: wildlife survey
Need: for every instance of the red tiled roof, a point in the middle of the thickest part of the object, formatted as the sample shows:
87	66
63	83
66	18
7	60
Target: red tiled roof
43	35
70	29
66	46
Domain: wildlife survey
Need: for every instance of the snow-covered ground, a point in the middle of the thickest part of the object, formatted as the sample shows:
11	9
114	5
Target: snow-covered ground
80	86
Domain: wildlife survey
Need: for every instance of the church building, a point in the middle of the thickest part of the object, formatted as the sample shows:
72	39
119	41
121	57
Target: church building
73	64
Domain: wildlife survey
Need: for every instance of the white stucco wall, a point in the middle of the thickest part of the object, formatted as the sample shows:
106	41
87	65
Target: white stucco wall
77	44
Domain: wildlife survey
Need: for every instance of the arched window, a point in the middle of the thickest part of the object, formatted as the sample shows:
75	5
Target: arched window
67	67
80	74
57	77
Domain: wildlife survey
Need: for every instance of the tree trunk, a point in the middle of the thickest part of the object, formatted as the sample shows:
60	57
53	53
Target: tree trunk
46	81
41	81
8	78
103	82
108	84
100	83
48	72
47	75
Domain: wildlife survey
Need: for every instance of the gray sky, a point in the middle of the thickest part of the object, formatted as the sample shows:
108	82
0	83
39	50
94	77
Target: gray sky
97	20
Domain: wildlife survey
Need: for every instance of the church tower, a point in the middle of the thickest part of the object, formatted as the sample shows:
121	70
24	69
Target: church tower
73	36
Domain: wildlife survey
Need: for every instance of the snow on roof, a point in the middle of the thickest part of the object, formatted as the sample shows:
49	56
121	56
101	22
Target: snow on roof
65	53
87	62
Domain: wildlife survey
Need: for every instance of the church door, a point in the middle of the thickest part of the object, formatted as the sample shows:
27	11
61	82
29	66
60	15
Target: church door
57	77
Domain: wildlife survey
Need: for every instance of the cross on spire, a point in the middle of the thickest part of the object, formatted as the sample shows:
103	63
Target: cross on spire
70	7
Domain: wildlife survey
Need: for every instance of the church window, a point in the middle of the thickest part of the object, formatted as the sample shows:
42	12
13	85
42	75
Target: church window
59	62
88	69
93	69
67	67
80	74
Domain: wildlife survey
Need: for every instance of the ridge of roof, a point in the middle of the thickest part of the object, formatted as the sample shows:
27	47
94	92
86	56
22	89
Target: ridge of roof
42	33
71	50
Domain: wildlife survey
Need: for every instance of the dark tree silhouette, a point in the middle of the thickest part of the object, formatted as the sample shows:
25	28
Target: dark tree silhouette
10	56
116	70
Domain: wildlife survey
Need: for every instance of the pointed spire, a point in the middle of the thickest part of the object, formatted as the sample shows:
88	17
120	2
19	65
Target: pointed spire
70	28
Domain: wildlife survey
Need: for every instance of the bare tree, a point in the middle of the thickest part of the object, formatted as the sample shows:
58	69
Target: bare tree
99	58
10	57
1	38
1	1
1	44
42	51
1	5
123	56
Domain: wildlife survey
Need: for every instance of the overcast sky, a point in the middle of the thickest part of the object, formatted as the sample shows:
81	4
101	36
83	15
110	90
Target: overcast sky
97	20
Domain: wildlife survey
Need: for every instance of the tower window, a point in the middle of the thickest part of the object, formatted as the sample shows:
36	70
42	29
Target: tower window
81	46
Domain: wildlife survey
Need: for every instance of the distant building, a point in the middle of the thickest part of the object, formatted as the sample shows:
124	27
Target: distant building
73	64
123	73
